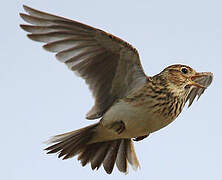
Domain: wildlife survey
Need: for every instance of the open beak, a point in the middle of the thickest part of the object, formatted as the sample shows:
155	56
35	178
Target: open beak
199	80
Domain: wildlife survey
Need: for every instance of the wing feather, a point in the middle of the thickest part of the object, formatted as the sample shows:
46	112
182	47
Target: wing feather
110	66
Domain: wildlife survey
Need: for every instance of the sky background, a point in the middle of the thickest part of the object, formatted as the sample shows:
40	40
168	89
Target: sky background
40	97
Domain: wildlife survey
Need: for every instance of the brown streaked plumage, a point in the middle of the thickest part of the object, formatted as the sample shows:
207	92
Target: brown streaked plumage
130	104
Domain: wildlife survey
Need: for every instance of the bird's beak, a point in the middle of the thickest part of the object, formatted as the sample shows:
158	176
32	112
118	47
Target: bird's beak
198	79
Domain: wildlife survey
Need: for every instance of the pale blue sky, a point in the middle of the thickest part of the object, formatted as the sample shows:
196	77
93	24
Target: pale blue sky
40	97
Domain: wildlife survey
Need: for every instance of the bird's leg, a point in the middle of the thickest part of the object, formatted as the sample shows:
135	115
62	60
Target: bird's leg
140	138
118	127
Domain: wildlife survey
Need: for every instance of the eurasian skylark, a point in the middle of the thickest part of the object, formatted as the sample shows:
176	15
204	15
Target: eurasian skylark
130	104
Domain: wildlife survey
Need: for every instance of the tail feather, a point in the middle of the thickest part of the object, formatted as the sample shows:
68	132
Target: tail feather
68	144
87	153
111	155
73	148
121	161
120	151
99	156
131	154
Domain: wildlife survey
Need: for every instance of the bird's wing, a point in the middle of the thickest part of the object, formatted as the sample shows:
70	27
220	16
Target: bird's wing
110	66
205	81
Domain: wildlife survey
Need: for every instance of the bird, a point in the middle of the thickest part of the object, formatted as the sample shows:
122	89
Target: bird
129	105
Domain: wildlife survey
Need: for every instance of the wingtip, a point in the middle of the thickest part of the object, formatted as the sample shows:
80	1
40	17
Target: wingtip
30	37
26	8
26	27
47	48
22	15
34	37
23	26
30	10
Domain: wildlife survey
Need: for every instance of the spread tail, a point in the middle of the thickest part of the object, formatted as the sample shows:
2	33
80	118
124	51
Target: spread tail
120	151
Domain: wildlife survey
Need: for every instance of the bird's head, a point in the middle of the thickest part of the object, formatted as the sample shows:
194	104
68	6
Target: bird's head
181	79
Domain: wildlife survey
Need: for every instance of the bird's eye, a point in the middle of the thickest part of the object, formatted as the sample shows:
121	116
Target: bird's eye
184	70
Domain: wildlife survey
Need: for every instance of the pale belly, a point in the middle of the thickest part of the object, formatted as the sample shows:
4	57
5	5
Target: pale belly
139	121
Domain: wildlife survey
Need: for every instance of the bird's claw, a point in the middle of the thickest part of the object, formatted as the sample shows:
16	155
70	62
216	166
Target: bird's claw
118	127
140	138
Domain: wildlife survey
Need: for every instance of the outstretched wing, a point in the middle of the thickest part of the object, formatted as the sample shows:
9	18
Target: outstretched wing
110	66
205	81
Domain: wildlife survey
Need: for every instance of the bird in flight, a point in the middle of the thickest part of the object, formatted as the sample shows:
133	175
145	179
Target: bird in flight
128	104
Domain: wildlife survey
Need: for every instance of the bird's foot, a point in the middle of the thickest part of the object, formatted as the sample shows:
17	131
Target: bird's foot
118	127
140	138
